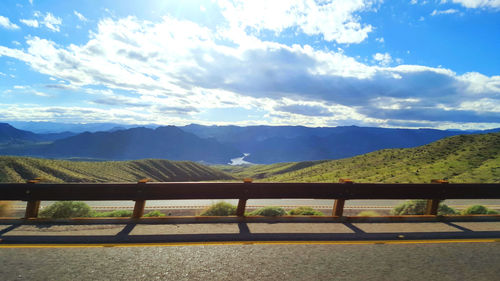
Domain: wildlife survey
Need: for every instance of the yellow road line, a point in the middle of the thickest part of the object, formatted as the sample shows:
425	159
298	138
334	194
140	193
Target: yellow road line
177	244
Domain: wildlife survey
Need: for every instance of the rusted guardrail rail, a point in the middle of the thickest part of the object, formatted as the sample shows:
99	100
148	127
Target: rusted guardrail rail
33	192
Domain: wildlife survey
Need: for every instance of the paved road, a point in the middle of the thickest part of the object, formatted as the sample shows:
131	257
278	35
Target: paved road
450	261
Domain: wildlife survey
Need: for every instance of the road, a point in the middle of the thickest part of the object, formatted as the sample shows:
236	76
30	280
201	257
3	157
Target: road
428	261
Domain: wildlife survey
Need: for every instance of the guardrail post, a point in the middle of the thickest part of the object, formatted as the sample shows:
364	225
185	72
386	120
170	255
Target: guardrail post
32	209
139	204
433	204
33	206
338	206
242	202
240	211
139	209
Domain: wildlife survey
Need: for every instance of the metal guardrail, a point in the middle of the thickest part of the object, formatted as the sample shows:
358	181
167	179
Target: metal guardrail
34	192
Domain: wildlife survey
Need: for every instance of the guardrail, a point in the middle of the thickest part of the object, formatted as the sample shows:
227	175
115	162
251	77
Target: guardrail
34	192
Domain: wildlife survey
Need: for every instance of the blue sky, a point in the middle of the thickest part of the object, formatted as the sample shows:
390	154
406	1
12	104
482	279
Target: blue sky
414	63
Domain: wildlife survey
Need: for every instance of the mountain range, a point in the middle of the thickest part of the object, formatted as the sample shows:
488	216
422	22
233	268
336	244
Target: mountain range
459	159
216	144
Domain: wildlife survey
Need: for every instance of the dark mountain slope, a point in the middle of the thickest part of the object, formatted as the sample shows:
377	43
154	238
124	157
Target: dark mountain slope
137	143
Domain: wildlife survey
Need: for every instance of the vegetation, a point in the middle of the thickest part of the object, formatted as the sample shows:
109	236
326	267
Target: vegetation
116	213
5	208
478	210
264	171
270	211
368	214
417	207
305	211
459	159
154	213
21	169
66	209
220	209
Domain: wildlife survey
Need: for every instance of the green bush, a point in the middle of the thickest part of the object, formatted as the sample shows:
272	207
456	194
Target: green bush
305	211
478	210
220	209
368	214
66	209
417	207
270	211
116	213
154	213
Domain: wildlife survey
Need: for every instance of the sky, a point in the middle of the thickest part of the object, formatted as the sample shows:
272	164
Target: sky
409	64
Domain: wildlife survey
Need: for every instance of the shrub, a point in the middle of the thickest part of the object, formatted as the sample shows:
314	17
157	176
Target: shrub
417	207
478	210
220	209
270	211
368	214
154	213
305	211
116	213
5	208
66	209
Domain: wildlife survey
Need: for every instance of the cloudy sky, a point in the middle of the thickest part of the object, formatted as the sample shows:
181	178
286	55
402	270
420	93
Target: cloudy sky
414	63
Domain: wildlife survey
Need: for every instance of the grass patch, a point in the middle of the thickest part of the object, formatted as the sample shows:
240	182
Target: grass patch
220	209
479	210
154	213
305	211
66	209
114	214
270	211
417	207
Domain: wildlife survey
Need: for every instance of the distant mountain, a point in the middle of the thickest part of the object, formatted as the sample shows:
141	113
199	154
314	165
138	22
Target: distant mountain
21	169
55	127
138	143
12	136
459	159
271	144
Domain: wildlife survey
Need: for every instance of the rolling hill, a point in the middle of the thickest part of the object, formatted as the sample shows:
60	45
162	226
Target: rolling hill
463	158
20	169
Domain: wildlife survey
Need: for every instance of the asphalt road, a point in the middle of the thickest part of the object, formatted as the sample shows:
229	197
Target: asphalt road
446	261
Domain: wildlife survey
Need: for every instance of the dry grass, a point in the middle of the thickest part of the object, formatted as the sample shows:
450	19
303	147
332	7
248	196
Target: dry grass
5	208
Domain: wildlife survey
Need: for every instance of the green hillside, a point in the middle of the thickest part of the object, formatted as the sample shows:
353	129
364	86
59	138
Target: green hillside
459	159
20	169
265	171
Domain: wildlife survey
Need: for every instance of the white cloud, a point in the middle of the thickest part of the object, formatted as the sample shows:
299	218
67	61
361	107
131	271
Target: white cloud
444	12
172	71
334	20
28	90
474	4
49	21
52	22
6	23
382	59
80	16
380	39
31	23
